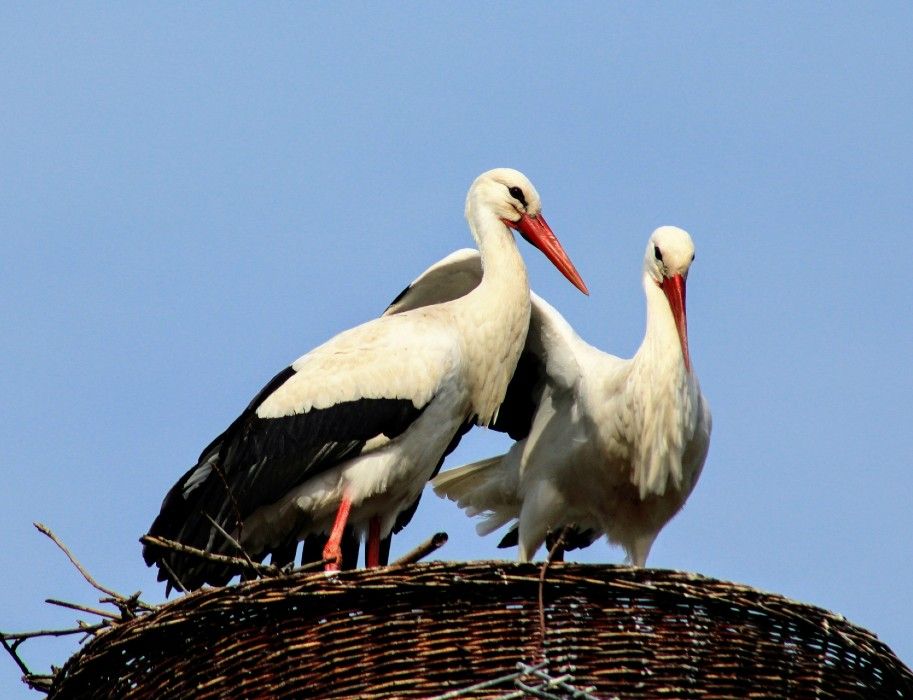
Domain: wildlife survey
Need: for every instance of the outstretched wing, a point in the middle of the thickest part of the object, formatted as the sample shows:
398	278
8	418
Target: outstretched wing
448	279
548	358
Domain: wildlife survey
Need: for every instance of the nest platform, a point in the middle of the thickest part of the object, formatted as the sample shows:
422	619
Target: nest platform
424	630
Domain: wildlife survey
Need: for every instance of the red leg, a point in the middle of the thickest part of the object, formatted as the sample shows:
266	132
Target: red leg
332	550
372	550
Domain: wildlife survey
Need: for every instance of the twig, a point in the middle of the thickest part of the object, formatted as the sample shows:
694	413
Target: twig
531	691
559	543
174	577
164	543
311	565
484	685
432	544
129	606
228	492
12	652
136	602
262	569
82	608
231	540
563	682
45	530
35	681
19	637
39	681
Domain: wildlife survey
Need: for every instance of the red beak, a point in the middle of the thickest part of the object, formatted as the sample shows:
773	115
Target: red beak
674	289
535	230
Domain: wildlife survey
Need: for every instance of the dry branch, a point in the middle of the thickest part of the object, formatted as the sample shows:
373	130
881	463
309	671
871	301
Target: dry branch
432	544
45	530
123	602
127	605
231	540
244	564
83	628
82	608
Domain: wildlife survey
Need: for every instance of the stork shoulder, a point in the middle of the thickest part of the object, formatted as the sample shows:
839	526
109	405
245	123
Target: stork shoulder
408	356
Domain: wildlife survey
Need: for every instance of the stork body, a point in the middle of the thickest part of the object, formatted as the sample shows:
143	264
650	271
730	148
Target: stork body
604	445
348	435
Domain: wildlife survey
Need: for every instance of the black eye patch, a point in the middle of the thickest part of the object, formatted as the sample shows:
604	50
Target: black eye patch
658	253
517	194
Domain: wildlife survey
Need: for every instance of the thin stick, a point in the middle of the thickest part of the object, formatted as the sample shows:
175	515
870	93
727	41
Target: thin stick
45	530
174	577
164	543
35	681
40	682
133	601
311	565
529	690
19	637
231	540
432	544
12	652
82	608
484	685
564	682
228	492
559	543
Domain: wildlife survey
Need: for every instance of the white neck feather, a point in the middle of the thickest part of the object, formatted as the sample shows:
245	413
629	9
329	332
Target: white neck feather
666	402
495	315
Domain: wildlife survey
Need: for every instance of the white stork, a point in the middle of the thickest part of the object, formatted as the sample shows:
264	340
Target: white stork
604	445
351	431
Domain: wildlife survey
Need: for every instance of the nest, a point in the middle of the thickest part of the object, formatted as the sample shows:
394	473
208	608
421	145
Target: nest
423	630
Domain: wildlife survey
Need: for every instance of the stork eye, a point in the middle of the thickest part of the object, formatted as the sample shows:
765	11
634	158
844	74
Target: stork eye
692	257
658	253
517	194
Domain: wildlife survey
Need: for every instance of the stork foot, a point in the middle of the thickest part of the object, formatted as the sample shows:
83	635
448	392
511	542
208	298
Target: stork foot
334	555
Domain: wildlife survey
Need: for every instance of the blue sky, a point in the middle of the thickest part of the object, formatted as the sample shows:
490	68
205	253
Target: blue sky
193	196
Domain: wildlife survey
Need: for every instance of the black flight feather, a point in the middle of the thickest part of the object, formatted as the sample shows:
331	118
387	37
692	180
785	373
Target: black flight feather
254	463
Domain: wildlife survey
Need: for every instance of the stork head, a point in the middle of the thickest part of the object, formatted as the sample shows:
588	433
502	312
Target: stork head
511	197
670	252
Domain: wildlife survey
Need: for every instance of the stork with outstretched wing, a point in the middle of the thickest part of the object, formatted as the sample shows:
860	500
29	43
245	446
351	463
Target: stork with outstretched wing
603	445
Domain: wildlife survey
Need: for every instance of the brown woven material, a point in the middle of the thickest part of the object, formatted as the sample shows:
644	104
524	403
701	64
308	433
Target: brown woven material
425	629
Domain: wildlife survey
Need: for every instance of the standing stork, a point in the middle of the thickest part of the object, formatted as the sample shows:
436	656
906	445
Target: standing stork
350	432
604	445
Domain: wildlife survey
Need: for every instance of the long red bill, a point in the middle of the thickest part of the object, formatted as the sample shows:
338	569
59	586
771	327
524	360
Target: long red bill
674	289
535	230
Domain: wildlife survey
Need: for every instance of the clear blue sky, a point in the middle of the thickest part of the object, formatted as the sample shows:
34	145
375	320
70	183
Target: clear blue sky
193	196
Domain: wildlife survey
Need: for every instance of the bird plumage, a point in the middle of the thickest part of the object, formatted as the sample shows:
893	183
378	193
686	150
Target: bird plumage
605	445
364	418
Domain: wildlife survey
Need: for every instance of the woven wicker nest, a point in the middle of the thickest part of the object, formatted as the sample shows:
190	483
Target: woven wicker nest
426	629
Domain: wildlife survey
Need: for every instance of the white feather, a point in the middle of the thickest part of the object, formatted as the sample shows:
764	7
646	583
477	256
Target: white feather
615	445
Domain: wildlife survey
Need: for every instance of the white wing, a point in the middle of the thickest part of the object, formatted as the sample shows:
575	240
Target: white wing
448	279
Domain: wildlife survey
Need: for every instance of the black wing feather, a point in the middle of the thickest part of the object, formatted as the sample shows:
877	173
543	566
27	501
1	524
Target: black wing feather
254	463
574	538
515	416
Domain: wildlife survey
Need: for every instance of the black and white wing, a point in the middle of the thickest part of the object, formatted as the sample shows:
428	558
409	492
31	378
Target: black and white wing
357	392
